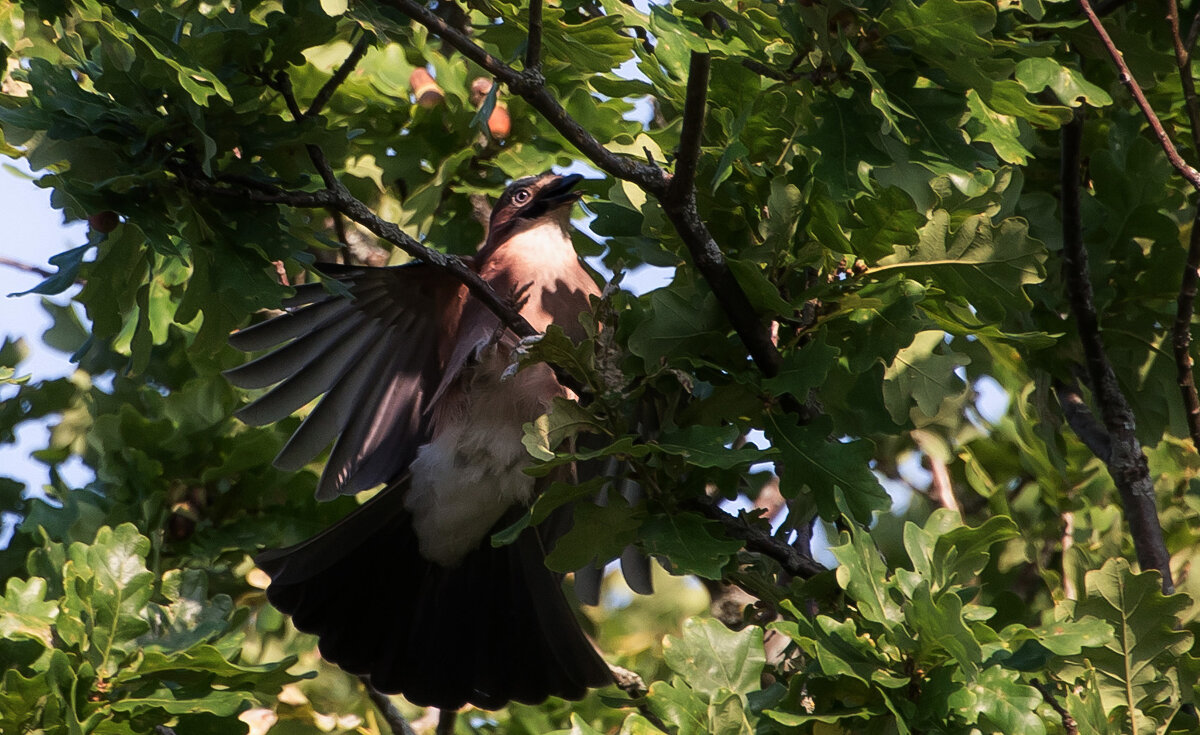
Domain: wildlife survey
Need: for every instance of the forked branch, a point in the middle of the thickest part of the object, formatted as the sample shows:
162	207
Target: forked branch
1126	462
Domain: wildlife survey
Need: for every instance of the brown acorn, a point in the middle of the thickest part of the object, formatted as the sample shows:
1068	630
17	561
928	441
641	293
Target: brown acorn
104	222
425	89
499	122
480	86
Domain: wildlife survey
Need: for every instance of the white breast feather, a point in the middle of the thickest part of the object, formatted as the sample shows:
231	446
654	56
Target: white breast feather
470	474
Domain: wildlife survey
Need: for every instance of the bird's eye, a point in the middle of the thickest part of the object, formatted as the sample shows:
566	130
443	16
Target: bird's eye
521	196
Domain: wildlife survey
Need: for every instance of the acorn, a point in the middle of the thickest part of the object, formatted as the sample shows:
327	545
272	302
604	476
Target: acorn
499	122
425	89
104	222
480	86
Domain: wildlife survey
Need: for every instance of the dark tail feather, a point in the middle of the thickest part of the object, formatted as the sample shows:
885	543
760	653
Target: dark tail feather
492	630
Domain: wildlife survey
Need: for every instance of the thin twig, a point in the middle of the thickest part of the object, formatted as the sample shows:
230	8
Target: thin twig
1193	32
1126	76
793	561
533	45
1068	721
1182	333
1183	60
532	87
391	715
282	84
1127	463
326	92
341	200
633	685
1186	302
27	268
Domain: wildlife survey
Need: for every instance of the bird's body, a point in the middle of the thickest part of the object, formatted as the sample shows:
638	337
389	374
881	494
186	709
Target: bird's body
408	589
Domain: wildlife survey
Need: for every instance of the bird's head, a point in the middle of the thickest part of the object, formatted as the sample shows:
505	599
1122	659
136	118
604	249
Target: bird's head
532	201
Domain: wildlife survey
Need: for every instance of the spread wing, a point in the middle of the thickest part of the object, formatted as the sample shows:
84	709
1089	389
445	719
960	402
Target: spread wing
373	353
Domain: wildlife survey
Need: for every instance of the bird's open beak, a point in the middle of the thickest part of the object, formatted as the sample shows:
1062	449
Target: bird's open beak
560	192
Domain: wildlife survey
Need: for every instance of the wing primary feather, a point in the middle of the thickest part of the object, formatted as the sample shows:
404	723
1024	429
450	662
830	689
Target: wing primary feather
360	438
287	326
314	378
337	408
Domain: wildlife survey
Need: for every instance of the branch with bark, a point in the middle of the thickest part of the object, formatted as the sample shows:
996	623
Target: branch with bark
794	561
1126	462
391	715
1126	76
677	199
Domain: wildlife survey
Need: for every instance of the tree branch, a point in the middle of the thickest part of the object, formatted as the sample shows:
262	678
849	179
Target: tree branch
1068	722
1164	140
692	133
340	200
1082	421
446	720
1126	463
391	715
679	205
326	92
533	46
27	268
1182	333
793	561
531	85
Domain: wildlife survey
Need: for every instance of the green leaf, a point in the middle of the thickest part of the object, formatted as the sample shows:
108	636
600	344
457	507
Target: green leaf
598	532
68	264
709	446
1136	669
986	265
803	369
712	658
923	373
27	613
107	588
940	627
679	706
1005	704
864	576
811	461
694	544
1035	74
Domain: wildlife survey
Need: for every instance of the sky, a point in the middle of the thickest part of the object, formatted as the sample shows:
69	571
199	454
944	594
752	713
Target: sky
32	233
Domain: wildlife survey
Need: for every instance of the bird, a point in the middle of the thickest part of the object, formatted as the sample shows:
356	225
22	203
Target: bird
408	589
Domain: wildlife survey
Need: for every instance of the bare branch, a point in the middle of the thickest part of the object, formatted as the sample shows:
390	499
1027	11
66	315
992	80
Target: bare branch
531	86
18	265
1082	421
1164	140
1182	333
326	92
1126	463
681	209
446	720
793	561
1186	302
391	715
339	199
1068	722
282	84
692	133
533	46
1193	32
1183	60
